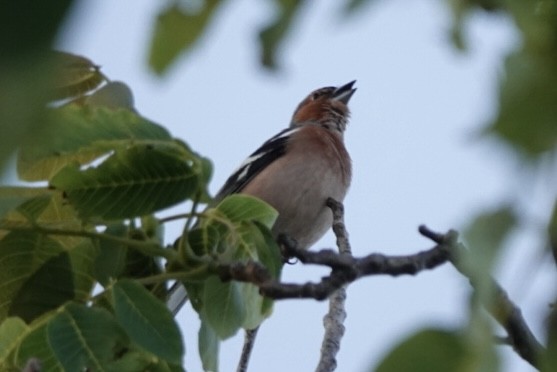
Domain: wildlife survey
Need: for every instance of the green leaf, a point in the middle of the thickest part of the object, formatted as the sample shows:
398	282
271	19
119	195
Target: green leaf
58	214
134	182
147	321
46	289
82	258
228	306
47	208
223	308
268	251
38	275
269	255
21	255
34	27
85	338
62	215
76	75
153	229
177	30
139	265
195	294
141	360
27	70
113	95
12	197
257	244
204	240
549	358
272	35
35	345
478	336
209	345
73	134
111	260
425	351
134	360
206	174
255	305
460	13
62	278
486	234
12	331
355	6
537	21
8	203
34	207
240	207
527	118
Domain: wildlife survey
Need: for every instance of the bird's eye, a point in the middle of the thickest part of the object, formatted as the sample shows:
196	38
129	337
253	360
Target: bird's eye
316	95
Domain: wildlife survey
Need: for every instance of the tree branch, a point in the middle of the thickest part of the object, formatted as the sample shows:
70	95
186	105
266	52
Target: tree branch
501	308
344	269
334	320
339	228
249	342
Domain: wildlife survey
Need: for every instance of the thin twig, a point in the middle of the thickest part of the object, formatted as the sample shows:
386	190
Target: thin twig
249	342
339	228
510	317
501	308
176	217
193	212
145	247
334	320
193	274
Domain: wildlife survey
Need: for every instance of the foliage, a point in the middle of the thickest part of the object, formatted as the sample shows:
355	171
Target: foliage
83	265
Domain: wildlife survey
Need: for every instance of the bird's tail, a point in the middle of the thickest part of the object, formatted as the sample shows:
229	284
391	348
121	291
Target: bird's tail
177	297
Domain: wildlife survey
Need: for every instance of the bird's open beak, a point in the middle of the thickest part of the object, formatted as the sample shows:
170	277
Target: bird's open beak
344	92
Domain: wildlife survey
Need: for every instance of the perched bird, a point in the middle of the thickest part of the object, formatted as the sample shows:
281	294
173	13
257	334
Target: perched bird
298	169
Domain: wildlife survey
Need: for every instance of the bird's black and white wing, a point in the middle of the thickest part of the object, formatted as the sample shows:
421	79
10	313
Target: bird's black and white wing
270	151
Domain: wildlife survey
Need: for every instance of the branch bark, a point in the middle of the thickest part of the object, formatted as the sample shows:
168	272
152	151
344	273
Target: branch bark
334	320
501	308
344	270
249	343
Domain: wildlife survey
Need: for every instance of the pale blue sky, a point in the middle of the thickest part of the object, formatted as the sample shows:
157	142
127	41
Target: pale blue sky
411	137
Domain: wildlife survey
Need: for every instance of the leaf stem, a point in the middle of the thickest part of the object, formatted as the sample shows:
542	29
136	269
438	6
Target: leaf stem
147	248
177	217
198	273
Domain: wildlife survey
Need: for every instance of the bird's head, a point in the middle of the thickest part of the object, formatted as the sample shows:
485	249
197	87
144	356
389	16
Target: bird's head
325	106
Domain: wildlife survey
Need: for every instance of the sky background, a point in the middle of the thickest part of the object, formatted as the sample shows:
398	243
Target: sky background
412	137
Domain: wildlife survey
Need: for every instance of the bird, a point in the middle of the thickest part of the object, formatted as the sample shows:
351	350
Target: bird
297	170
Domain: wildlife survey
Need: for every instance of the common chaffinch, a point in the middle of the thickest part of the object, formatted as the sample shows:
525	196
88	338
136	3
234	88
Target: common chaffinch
299	168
